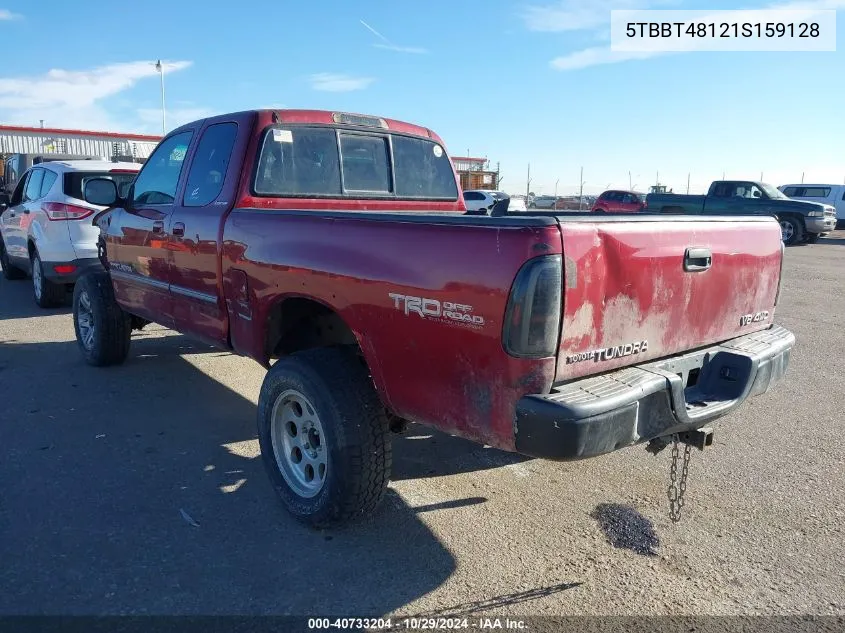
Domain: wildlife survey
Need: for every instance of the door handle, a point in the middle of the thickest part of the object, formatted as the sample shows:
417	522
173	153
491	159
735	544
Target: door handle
697	259
158	226
179	229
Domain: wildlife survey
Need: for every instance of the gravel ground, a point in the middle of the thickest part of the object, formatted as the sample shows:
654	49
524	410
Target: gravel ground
138	489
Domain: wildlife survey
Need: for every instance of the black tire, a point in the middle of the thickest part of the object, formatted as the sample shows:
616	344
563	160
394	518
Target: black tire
812	238
355	434
796	236
9	272
112	327
46	293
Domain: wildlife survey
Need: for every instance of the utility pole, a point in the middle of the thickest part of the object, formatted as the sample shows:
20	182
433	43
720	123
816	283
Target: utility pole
761	176
802	177
160	69
528	184
688	176
630	186
581	194
556	182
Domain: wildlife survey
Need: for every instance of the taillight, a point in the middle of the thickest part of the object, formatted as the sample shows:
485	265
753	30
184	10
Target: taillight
780	272
532	318
61	211
645	203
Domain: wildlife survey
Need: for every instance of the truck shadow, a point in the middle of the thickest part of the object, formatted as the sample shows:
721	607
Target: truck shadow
139	490
838	241
18	302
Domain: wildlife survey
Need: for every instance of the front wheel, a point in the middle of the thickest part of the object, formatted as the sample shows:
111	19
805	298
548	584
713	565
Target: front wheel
103	329
324	436
791	230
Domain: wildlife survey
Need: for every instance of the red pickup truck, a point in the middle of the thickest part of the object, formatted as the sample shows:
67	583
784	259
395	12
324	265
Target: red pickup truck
335	250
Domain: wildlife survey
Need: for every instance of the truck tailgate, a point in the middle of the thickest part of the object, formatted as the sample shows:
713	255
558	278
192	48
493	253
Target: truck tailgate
646	287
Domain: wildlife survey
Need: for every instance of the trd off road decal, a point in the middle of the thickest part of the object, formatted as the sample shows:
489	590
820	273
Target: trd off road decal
443	311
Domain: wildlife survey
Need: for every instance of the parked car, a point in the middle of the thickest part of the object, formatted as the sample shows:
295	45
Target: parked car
517	204
45	225
799	220
373	299
619	201
481	201
833	195
544	202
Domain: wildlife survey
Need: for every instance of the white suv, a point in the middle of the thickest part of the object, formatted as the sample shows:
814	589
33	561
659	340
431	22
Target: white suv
46	226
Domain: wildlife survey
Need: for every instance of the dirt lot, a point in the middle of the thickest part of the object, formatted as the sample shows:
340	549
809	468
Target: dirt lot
139	489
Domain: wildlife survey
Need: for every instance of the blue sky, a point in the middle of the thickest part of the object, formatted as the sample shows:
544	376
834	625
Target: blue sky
515	81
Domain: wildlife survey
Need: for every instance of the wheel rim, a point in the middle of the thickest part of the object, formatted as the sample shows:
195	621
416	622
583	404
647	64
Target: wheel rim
299	444
85	321
36	276
786	230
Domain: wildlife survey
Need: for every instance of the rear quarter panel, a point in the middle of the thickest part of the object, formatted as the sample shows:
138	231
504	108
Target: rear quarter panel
450	375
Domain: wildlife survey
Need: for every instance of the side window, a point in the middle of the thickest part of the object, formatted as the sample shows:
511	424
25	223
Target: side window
790	192
473	196
157	181
208	169
366	166
47	184
817	192
627	198
843	194
33	185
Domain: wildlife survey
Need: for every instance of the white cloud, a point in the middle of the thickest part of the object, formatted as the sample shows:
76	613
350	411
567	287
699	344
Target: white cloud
150	118
578	15
72	98
331	82
415	50
595	57
5	14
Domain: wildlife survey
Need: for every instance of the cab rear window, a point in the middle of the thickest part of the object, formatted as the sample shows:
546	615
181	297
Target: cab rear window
303	161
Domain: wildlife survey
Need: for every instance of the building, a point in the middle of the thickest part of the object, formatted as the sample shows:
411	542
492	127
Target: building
475	173
46	141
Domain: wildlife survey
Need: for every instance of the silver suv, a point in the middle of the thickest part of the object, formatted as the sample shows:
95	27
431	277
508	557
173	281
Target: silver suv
45	226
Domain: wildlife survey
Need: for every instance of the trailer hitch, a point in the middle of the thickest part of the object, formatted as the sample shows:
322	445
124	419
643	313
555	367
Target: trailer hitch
697	438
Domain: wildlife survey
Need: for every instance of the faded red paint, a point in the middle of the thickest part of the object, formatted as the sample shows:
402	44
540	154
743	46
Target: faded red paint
625	283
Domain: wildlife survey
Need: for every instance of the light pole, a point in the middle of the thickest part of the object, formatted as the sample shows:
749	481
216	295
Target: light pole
581	192
556	182
160	69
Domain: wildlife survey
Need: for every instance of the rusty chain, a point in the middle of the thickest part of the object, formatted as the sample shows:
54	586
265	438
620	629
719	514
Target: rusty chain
678	487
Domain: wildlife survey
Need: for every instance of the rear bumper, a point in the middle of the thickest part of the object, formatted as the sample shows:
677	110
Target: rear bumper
820	225
68	272
600	414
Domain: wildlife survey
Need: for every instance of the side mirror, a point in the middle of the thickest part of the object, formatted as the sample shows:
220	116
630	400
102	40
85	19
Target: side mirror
5	201
757	194
101	191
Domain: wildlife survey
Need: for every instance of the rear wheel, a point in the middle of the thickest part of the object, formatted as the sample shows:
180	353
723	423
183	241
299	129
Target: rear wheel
9	271
103	329
324	436
791	230
47	294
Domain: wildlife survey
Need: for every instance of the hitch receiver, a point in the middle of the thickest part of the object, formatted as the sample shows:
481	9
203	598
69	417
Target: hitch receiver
699	438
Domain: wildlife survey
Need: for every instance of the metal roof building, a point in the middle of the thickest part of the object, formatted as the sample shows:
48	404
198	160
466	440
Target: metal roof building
37	140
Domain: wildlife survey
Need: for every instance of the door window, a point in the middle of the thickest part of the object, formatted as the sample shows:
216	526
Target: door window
208	168
33	185
47	183
157	181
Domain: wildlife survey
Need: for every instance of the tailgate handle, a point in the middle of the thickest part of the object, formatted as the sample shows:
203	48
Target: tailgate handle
697	259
